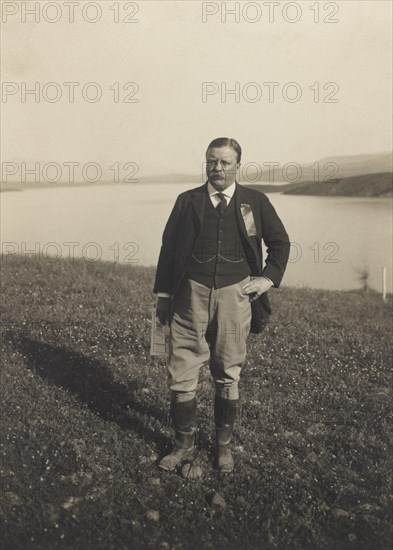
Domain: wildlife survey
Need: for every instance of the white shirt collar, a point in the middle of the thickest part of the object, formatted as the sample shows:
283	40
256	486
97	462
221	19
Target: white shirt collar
228	192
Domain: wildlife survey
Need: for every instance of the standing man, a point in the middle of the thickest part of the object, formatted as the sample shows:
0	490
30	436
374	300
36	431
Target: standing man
212	290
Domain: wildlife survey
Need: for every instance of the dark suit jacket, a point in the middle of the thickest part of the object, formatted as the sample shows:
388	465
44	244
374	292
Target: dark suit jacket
257	220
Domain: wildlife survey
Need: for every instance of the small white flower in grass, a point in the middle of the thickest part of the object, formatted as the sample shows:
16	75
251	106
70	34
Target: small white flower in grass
153	515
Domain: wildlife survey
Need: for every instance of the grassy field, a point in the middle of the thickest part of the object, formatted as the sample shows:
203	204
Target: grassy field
85	419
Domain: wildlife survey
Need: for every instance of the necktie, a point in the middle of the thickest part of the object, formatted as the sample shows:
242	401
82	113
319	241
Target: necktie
222	205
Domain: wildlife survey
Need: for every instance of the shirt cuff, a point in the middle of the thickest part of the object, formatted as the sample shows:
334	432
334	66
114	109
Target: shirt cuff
163	295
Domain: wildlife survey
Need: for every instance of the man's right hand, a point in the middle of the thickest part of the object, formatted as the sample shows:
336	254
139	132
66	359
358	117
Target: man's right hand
163	308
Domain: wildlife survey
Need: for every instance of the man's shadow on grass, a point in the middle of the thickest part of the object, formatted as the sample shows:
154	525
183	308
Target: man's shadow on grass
92	382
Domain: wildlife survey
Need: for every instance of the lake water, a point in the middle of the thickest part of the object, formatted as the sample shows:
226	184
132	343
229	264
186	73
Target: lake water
332	237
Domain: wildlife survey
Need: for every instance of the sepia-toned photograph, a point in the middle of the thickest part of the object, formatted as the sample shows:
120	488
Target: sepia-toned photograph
196	275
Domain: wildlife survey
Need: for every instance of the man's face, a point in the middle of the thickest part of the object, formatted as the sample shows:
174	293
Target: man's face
221	167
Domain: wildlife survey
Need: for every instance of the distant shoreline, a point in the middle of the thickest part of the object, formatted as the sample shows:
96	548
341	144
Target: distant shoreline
379	185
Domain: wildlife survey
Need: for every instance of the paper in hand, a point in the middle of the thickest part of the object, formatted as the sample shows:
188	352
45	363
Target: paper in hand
159	337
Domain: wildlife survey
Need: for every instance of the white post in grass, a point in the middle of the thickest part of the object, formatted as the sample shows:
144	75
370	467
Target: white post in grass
384	284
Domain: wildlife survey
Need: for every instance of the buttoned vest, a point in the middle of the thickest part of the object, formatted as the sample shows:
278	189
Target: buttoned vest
219	258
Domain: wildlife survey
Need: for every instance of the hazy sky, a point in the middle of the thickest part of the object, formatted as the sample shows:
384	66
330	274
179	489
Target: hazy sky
170	53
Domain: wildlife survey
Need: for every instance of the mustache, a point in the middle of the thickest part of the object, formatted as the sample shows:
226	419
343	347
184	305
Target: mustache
222	174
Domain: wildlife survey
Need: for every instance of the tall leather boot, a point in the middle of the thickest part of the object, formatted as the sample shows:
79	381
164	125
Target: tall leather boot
225	411
183	417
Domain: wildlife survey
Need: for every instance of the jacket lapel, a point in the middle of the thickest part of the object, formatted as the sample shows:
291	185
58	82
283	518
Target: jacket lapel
198	202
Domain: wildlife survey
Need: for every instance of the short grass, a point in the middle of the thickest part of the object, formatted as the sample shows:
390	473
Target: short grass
85	418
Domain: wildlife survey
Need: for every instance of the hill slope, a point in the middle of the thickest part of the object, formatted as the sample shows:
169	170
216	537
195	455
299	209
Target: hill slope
370	185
